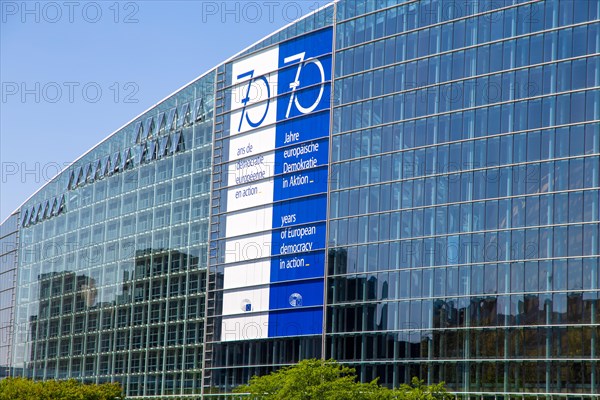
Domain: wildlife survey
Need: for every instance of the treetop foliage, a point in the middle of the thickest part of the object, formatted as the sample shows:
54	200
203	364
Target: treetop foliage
329	380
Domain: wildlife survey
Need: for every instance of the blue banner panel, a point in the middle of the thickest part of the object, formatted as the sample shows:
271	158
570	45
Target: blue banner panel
296	322
298	239
296	294
310	127
298	266
309	61
300	184
299	211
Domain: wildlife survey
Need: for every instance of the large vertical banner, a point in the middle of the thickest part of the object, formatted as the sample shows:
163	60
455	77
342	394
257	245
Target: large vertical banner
278	155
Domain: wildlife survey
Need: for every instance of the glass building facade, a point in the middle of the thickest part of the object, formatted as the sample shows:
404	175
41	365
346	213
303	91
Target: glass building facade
461	228
111	269
464	198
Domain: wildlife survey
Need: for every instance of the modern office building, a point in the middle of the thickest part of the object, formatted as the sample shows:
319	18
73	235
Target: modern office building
409	187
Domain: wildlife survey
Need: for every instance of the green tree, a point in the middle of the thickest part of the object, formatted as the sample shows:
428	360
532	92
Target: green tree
329	380
26	389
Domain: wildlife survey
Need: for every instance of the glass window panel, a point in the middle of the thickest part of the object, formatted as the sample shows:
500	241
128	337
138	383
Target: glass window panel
522	55
484	29
549	84
563	106
548	111
590	240
591	172
592	104
565	12
580	41
172	119
550	46
565	43
536	49
507	118
533	146
562	142
524	17
575	242
564	76
578	107
517	277
483	59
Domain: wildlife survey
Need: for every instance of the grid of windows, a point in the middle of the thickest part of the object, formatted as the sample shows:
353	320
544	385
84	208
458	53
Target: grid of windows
464	207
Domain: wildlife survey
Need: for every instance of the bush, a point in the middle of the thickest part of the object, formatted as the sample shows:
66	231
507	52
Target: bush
26	389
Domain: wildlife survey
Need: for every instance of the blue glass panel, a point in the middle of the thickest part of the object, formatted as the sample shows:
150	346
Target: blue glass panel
565	43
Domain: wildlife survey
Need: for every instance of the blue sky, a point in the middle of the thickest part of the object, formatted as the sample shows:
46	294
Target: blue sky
73	72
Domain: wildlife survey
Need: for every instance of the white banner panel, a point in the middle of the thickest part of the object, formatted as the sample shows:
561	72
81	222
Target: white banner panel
248	248
256	142
246	301
254	326
247	274
251	195
250	169
246	222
